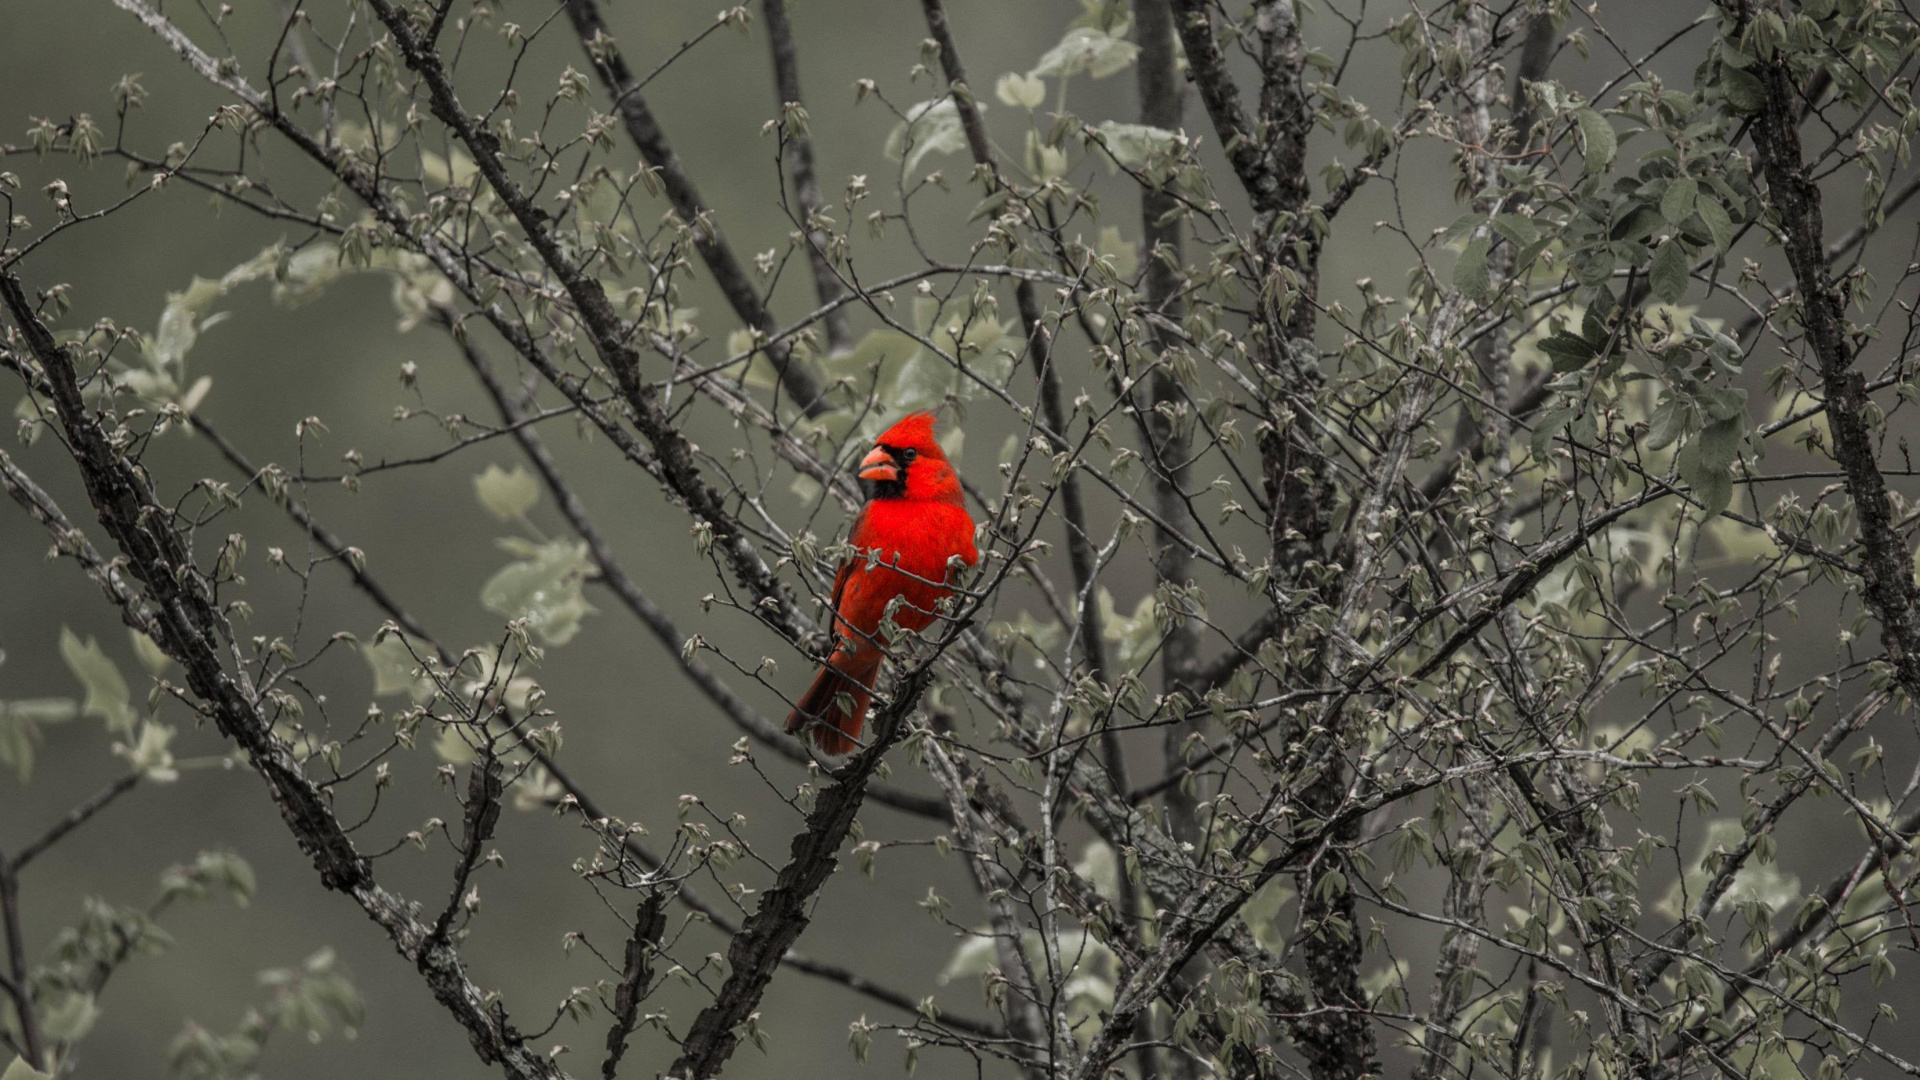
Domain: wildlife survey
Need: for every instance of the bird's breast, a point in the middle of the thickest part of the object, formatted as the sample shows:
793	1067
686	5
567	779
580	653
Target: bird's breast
901	549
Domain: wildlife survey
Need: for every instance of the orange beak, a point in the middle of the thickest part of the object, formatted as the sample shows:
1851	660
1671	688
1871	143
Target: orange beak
879	465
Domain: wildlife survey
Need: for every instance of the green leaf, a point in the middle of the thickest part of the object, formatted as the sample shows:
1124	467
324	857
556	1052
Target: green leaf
973	956
507	495
1678	202
20	723
452	746
1720	442
1461	226
20	1070
152	657
1134	145
990	206
1637	225
30	426
393	668
1043	161
1757	881
1125	255
1088	49
149	754
1667	424
1021	91
1133	635
1595	320
1568	352
70	1016
923	382
311	998
1744	92
43	710
1706	463
1470	274
1601	143
975	336
107	696
888	348
179	325
1722	402
1547	427
1025	631
184	319
1520	230
1719	224
210	870
543	587
932	127
1261	913
1668	274
756	370
1101	867
1596	267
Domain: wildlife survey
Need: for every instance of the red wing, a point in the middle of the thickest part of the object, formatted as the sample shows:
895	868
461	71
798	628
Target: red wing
840	583
846	565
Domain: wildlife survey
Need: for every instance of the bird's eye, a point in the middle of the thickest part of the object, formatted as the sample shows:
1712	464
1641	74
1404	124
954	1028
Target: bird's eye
907	455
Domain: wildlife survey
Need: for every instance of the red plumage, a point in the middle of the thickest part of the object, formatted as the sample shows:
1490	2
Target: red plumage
915	520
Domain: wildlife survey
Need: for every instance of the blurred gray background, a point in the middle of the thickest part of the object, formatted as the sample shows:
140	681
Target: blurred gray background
636	734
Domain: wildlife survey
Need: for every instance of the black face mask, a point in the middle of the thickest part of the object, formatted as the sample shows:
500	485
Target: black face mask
903	458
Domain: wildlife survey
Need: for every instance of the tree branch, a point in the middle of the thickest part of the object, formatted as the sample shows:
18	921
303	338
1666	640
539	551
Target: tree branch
1207	67
649	922
673	466
647	136
184	621
75	818
16	984
782	914
806	186
1039	349
1887	574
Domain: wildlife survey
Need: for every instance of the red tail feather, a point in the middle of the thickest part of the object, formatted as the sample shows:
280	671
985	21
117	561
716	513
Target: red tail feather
835	724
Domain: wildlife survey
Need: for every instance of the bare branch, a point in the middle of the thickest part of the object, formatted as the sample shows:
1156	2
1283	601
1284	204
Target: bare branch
651	140
782	914
649	922
806	186
191	630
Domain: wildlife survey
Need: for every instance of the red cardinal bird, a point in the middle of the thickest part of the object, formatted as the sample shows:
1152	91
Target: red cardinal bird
915	519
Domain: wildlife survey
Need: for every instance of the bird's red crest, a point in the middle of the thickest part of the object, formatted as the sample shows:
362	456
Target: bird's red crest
912	430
